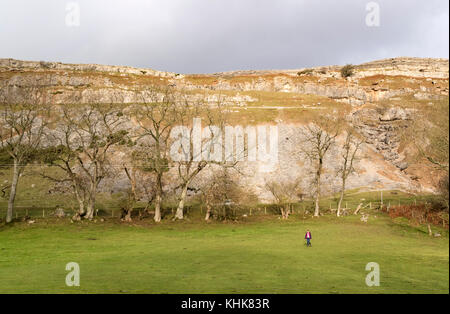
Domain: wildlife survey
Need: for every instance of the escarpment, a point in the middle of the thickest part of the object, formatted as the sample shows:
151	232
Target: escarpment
380	100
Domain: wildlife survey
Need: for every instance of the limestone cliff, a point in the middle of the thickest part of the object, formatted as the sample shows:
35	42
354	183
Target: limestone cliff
379	100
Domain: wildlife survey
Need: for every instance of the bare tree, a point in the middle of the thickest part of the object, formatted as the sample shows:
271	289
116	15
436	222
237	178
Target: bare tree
62	157
349	153
83	141
429	133
318	139
132	197
212	193
285	193
195	161
156	116
21	130
191	163
220	193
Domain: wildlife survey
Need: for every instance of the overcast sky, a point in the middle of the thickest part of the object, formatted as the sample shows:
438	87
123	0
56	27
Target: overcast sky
203	36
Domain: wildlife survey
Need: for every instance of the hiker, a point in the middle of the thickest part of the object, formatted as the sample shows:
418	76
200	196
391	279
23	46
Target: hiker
308	238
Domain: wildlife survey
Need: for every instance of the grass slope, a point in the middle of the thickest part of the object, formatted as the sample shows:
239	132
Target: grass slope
266	256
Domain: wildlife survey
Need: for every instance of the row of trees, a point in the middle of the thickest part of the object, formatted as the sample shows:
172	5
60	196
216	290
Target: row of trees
84	142
81	141
428	131
318	140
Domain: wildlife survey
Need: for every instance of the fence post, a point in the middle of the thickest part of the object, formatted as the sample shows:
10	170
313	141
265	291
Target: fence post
43	213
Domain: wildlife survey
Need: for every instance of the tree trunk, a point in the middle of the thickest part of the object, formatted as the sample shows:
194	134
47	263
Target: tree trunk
318	175
91	201
80	213
179	213
317	209
90	209
126	214
80	206
158	198
12	195
132	198
157	217
285	212
128	209
80	200
208	212
430	233
341	199
358	209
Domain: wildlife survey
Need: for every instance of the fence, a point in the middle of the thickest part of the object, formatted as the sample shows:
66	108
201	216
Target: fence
108	207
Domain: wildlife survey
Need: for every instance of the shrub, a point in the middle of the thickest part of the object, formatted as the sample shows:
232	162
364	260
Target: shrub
305	72
428	213
347	70
443	188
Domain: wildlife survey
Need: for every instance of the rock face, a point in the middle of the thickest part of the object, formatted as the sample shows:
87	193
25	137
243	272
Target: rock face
381	130
379	101
411	67
17	65
374	81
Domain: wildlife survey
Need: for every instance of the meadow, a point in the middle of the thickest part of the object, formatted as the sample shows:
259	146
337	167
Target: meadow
256	254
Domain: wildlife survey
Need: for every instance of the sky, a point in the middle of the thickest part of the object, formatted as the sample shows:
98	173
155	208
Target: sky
207	36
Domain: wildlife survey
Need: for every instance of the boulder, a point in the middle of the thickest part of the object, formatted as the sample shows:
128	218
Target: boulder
393	114
402	165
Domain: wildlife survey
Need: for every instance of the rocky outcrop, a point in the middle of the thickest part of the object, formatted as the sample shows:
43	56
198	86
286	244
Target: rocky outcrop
382	129
75	83
18	65
404	66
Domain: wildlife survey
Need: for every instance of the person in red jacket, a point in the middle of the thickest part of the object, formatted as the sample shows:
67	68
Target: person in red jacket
308	238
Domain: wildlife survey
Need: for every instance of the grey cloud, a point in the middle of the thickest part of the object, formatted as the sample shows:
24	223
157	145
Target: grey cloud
189	36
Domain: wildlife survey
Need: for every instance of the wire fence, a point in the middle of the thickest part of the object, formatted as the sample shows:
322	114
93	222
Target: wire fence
28	209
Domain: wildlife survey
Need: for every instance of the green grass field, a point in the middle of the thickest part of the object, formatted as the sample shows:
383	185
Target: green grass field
259	255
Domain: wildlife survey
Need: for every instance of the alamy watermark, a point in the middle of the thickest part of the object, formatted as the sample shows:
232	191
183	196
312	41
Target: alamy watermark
230	144
72	14
373	15
73	277
373	277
